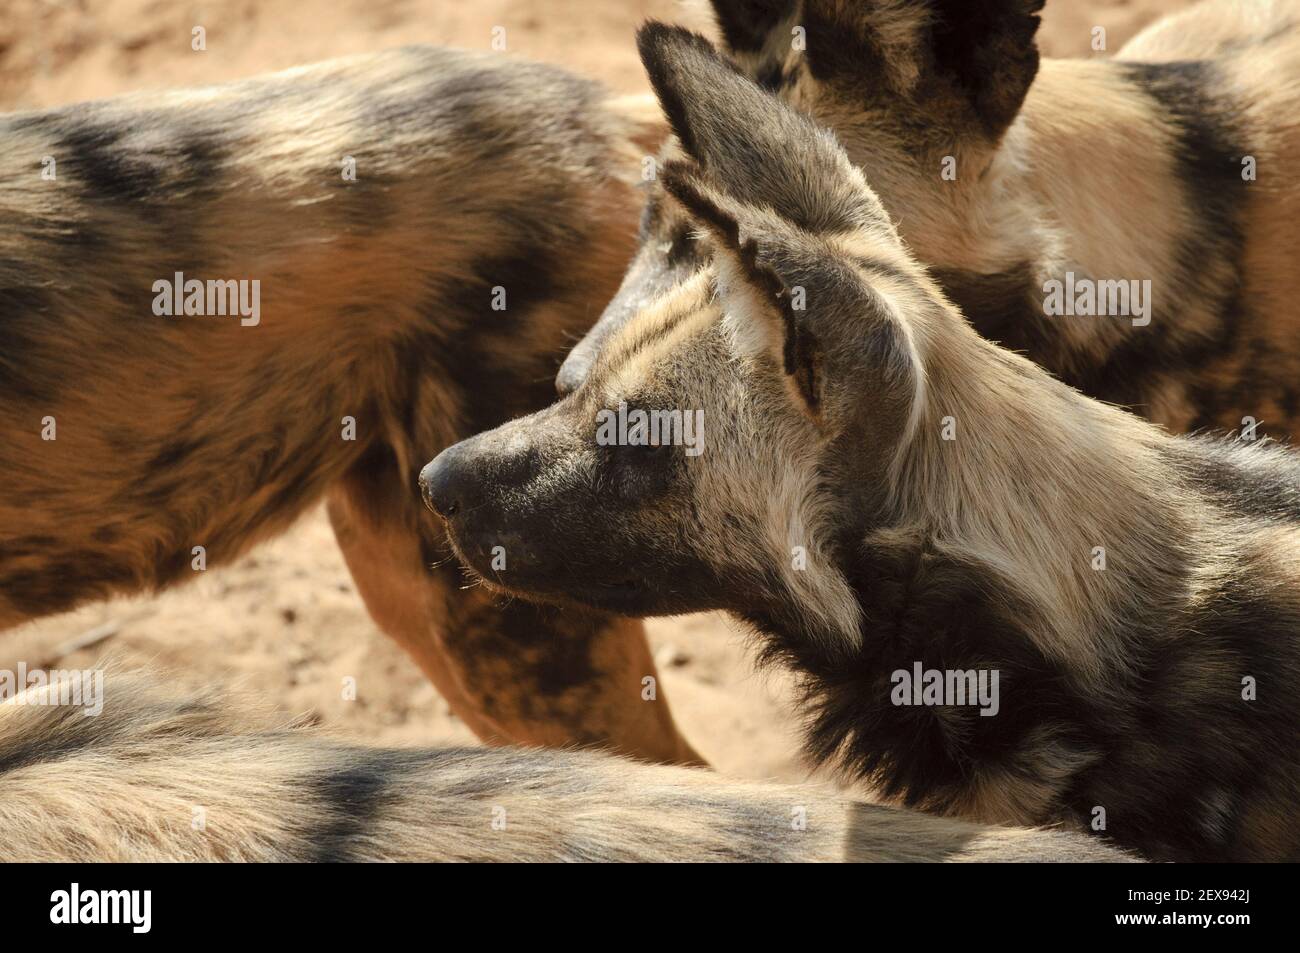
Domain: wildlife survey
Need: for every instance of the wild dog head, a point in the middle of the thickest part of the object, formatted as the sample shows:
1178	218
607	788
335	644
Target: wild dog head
792	361
919	92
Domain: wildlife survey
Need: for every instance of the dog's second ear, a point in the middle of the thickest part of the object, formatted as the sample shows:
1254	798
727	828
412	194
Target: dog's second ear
753	147
792	294
747	272
943	58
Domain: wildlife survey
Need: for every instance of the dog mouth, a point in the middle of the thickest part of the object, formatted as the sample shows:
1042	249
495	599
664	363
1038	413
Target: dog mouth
620	596
474	575
621	593
616	595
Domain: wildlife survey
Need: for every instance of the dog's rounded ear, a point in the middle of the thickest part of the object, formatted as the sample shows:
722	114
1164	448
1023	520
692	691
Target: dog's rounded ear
792	293
720	217
975	58
747	25
990	50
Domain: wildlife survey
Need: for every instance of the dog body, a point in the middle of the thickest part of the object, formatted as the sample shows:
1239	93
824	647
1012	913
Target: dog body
218	306
881	493
169	776
1127	222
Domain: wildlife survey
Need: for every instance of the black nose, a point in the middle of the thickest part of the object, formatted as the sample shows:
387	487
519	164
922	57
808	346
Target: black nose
443	482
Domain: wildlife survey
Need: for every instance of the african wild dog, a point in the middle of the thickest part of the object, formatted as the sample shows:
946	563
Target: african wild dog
1168	163
882	488
162	775
429	231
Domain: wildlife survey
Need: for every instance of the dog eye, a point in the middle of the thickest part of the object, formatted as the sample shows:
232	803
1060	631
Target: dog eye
637	472
637	460
651	449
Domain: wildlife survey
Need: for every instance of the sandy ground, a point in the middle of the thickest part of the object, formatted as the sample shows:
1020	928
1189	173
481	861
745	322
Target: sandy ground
286	622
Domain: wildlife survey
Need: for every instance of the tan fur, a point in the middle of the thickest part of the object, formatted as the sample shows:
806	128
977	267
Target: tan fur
165	776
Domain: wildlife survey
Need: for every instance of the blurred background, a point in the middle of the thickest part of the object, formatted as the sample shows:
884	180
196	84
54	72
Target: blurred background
286	622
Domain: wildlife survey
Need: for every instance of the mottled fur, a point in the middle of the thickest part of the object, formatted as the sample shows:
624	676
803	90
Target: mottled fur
892	489
170	776
473	172
1114	168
